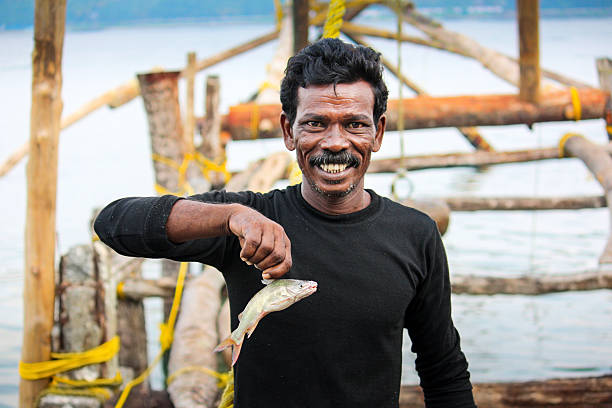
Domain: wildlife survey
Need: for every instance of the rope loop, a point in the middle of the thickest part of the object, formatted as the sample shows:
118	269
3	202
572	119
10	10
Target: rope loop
576	103
564	140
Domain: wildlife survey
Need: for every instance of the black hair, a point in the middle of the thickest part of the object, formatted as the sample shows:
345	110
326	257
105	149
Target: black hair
332	61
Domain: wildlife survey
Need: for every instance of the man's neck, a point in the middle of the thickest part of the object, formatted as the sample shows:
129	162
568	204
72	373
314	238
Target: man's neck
356	200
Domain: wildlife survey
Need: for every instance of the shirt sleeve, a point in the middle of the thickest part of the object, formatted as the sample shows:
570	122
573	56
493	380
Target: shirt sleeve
440	363
136	226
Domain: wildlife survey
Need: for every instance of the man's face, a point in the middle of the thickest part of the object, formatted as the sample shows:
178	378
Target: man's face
334	135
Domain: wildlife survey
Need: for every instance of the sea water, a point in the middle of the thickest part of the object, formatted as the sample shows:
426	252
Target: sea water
506	338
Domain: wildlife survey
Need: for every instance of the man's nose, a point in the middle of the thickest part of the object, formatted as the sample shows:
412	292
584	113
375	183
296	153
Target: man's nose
335	140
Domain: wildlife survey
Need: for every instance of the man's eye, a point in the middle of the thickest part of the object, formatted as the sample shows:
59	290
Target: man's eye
356	125
314	123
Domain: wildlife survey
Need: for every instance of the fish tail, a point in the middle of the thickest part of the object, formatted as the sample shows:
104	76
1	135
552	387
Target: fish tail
236	353
229	342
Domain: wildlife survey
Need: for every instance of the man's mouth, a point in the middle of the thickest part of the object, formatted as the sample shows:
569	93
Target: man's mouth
333	163
333	167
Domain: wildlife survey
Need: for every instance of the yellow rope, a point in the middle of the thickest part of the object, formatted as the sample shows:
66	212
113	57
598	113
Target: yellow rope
68	361
576	103
205	165
295	174
227	399
222	378
165	337
335	13
564	140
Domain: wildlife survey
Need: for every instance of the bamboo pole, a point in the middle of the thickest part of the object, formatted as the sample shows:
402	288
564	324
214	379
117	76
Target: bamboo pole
189	114
456	111
599	163
129	90
211	146
472	159
523	203
590	392
529	50
471	134
45	115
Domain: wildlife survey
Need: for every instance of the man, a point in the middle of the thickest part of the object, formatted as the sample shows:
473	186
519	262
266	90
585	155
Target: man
380	266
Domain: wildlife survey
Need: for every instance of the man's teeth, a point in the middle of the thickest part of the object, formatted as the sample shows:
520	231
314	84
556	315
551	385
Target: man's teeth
333	168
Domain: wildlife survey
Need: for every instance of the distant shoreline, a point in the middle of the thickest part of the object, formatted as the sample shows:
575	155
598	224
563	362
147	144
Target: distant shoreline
439	13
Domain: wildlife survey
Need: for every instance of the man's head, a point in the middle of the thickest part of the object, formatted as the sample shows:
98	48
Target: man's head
331	61
334	101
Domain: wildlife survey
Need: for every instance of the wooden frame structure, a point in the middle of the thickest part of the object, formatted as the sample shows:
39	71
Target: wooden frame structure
529	106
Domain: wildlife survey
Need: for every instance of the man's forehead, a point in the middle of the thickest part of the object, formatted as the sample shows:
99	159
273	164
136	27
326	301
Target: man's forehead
358	94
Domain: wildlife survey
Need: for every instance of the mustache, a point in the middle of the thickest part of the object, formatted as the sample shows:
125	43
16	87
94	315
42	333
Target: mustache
327	157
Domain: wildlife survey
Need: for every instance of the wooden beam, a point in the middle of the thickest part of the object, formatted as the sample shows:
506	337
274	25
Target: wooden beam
523	203
472	159
599	163
529	50
45	116
300	24
589	392
531	285
455	111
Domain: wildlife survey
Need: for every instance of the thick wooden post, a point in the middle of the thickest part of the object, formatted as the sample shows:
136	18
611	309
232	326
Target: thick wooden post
45	116
160	95
300	24
529	50
211	131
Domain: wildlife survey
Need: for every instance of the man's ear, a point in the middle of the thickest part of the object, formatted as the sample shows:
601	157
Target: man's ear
380	131
287	132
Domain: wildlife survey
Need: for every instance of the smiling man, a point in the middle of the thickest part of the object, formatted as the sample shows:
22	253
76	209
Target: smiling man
380	267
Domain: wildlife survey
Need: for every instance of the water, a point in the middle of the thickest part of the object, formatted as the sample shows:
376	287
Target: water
506	338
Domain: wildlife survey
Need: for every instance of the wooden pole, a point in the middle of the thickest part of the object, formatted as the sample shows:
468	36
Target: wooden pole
523	203
599	163
189	114
472	159
604	72
531	285
426	112
300	24
590	392
529	50
45	116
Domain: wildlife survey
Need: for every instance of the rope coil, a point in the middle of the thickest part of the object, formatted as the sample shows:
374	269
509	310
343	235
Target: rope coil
334	20
576	103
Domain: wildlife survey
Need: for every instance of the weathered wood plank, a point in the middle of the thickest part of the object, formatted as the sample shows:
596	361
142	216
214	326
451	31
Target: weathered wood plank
45	115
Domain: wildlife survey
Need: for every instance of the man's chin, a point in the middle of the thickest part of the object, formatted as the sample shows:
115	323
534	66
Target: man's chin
332	192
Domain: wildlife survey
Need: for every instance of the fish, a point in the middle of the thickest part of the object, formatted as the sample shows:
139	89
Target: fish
278	294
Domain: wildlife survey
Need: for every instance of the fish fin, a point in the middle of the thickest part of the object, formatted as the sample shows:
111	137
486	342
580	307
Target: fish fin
225	344
236	353
267	281
251	329
240	316
235	348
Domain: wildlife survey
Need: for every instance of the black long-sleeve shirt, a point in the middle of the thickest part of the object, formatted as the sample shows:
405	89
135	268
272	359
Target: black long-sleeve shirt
379	270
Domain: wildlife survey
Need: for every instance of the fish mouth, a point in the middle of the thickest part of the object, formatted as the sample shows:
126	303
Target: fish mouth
333	163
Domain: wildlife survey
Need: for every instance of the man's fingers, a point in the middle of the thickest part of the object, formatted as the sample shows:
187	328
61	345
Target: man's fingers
251	241
267	246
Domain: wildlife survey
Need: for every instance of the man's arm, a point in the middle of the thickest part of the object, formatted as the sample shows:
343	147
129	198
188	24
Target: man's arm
441	364
189	230
263	241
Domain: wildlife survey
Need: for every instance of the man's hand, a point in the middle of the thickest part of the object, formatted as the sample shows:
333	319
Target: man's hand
263	241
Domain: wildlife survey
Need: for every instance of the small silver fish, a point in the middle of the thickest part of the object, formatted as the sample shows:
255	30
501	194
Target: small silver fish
277	295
